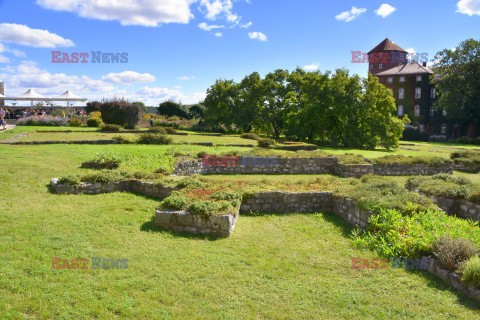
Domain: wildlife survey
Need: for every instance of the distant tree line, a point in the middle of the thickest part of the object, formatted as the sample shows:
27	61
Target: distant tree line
336	109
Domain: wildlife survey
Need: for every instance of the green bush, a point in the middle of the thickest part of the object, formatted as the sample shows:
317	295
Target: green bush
103	176
170	130
392	234
159	130
94	122
351	159
121	112
415	134
171	108
123	139
110	128
266	143
166	123
75	122
471	271
175	202
226	195
152	138
249	135
190	182
451	253
470	159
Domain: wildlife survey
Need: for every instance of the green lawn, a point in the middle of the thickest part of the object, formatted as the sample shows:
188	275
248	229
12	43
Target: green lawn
272	267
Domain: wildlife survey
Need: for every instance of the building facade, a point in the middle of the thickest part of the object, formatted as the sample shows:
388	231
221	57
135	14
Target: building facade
410	83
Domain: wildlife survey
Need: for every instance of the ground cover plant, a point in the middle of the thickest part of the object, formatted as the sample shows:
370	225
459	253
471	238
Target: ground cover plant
447	186
280	266
470	159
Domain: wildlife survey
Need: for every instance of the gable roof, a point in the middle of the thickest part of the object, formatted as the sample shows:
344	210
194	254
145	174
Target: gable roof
409	68
387	45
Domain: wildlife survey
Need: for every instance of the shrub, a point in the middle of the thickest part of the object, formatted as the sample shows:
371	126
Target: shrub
467	140
43	121
174	202
451	253
123	139
190	182
409	160
94	122
166	123
226	195
470	159
471	271
75	122
158	130
266	143
415	134
95	164
103	176
392	234
110	128
93	106
121	112
209	207
70	180
249	135
153	138
96	114
170	130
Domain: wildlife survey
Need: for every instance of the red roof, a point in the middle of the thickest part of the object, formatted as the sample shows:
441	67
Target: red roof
387	45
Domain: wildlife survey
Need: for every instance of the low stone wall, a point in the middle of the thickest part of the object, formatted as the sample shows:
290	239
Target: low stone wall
319	165
133	185
401	169
184	221
456	207
278	201
62	142
353	171
350	212
453	279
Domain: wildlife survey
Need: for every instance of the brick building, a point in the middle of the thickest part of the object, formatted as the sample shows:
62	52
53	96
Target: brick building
410	83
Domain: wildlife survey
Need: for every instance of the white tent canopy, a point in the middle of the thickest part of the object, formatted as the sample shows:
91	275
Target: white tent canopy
31	95
2	96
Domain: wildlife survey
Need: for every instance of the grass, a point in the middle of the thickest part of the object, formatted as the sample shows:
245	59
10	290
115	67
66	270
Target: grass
273	266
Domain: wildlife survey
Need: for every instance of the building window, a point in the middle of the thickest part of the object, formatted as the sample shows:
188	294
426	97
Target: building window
380	66
371	66
418	93
444	113
400	111
444	128
432	111
390	79
419	78
401	92
432	93
402	79
417	111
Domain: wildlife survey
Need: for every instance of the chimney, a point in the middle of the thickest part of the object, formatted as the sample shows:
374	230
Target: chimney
424	64
2	91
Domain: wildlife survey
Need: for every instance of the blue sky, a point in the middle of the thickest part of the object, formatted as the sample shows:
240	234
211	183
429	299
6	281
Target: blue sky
177	48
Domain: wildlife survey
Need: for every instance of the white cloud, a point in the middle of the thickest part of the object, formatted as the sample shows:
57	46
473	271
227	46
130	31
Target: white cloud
257	35
4	59
153	96
246	25
215	8
207	27
22	34
127	77
218	34
233	18
348	16
469	7
185	78
313	66
29	75
410	50
148	13
385	10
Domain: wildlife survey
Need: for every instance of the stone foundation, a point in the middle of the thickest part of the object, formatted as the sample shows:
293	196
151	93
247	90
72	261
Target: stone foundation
320	165
133	185
184	221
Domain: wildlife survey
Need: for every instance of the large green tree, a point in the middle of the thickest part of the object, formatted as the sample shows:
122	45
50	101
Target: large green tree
457	79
